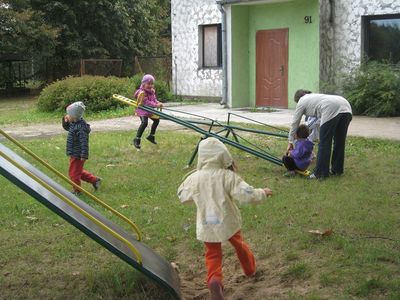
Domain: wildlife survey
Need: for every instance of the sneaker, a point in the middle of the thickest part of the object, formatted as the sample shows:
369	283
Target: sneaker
312	177
151	139
289	174
136	143
96	184
216	290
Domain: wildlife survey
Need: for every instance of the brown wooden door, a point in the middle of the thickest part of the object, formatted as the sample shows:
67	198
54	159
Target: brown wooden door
271	68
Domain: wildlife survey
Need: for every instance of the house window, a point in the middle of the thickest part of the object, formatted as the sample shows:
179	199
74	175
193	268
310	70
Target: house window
211	46
381	37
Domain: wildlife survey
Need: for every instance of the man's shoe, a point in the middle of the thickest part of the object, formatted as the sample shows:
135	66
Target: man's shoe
332	173
151	139
136	143
216	290
96	184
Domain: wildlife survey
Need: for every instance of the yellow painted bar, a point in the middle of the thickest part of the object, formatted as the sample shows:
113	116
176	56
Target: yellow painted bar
131	102
76	207
94	198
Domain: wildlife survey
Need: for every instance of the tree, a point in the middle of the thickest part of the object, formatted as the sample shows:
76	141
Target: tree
70	30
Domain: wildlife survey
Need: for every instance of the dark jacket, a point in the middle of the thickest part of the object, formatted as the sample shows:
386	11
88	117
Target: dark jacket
78	138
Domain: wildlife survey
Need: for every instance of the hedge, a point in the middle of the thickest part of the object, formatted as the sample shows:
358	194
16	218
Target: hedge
95	91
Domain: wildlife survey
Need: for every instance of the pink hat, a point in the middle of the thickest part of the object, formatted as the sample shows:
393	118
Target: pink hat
148	78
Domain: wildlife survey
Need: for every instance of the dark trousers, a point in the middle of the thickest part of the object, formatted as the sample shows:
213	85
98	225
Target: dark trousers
143	125
289	163
334	130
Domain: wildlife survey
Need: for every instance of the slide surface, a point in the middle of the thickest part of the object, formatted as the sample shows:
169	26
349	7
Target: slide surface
153	265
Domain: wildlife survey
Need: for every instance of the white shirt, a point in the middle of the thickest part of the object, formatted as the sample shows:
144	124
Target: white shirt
322	106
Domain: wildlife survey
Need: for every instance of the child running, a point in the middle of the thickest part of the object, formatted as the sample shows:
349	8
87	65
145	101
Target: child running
146	95
301	156
78	145
213	187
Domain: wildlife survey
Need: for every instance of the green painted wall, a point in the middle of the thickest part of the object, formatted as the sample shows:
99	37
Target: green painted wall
240	57
303	45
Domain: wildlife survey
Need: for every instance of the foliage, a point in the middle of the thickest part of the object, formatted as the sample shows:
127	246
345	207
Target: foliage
373	89
26	32
95	91
67	31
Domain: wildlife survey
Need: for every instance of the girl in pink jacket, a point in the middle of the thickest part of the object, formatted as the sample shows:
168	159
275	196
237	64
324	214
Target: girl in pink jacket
146	95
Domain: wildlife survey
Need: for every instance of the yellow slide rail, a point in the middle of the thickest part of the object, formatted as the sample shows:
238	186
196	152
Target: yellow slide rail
94	198
76	207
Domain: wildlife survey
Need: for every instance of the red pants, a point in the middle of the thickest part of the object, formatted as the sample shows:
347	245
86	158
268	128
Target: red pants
76	171
213	257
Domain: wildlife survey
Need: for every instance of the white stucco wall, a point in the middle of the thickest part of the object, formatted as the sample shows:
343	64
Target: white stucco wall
341	44
187	76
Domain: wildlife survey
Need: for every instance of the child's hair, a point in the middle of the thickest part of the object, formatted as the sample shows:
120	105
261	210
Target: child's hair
303	131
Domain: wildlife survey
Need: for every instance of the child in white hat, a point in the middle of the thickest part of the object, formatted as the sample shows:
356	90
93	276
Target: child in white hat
78	145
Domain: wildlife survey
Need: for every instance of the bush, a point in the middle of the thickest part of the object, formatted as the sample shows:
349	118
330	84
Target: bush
95	91
373	89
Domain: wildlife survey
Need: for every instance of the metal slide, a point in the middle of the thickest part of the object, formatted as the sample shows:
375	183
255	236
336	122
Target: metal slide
88	220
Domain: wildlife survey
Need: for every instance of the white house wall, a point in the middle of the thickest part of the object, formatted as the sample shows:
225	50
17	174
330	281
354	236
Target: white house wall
189	79
341	44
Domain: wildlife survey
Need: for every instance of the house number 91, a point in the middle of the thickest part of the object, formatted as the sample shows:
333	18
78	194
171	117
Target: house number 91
307	20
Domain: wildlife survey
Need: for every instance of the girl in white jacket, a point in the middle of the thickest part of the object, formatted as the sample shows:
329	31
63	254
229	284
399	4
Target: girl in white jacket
213	188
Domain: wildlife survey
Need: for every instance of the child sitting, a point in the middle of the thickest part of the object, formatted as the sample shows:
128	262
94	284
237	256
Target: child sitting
213	188
78	145
301	156
146	95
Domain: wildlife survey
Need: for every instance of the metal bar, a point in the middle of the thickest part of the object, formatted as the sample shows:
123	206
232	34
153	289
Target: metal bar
62	176
76	207
255	121
165	116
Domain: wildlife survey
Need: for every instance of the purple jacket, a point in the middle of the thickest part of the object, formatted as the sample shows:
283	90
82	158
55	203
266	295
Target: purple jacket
149	100
302	153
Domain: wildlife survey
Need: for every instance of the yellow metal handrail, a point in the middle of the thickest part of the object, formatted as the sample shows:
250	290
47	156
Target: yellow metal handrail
126	100
94	198
76	207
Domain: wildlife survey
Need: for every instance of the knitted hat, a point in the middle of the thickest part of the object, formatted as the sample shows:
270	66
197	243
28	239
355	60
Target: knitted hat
148	78
76	109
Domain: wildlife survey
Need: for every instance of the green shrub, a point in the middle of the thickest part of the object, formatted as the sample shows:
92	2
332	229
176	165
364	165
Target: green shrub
95	91
373	89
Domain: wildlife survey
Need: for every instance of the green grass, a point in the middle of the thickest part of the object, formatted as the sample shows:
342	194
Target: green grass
41	256
23	111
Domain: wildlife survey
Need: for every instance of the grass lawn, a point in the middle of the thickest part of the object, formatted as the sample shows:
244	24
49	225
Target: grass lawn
42	256
23	111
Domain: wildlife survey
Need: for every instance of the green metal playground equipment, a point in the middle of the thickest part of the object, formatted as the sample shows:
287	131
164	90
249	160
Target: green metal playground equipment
217	129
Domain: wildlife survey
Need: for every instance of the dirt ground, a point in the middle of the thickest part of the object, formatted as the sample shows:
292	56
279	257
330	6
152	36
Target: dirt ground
269	282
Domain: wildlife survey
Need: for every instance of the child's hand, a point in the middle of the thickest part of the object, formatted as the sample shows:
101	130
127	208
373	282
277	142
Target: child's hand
159	105
268	192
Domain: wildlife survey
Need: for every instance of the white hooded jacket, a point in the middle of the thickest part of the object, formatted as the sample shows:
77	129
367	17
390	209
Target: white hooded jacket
214	188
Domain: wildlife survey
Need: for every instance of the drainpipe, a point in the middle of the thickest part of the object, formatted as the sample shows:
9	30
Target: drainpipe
224	100
221	7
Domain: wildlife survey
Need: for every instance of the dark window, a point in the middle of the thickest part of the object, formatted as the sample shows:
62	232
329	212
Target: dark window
211	46
382	37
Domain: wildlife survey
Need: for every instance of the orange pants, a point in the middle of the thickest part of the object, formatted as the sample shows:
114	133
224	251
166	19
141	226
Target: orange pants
76	171
213	257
